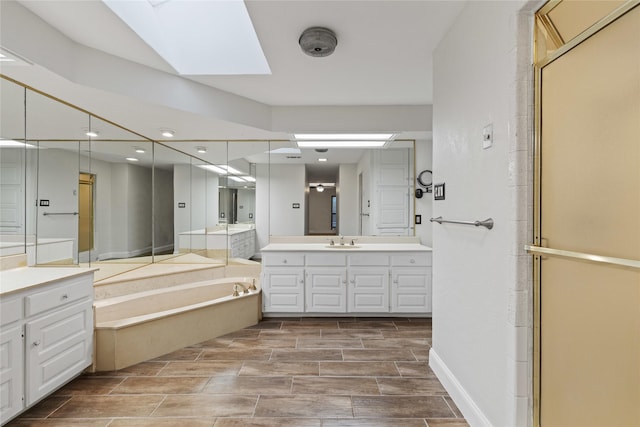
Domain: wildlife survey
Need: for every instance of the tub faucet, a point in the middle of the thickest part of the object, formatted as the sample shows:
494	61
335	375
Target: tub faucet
236	293
341	240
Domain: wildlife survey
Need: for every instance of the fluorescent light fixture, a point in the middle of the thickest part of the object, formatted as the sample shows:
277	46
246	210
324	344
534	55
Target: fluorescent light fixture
167	133
10	143
132	159
249	179
139	150
197	37
322	159
324	184
236	178
285	150
343	136
91	133
342	144
222	169
4	58
201	150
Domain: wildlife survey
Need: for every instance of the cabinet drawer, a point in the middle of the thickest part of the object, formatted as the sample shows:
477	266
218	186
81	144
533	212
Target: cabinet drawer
282	259
369	258
58	295
329	260
421	259
10	311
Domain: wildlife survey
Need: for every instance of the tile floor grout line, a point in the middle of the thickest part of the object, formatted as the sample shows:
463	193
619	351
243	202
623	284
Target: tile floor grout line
158	405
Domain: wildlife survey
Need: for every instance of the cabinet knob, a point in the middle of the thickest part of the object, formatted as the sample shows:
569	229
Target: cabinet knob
301	280
284	261
353	281
36	343
395	281
412	261
65	296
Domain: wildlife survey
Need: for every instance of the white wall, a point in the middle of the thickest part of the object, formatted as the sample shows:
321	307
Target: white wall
163	237
246	204
58	183
480	330
287	186
348	214
424	206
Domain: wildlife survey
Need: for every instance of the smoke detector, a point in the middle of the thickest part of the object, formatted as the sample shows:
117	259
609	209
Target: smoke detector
318	41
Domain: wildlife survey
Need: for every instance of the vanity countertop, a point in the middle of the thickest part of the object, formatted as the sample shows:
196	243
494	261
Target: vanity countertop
363	247
17	279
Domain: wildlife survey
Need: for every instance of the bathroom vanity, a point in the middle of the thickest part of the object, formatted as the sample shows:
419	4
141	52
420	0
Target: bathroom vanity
46	338
236	241
372	276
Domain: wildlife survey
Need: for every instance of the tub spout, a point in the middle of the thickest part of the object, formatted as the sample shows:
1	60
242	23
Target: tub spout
252	286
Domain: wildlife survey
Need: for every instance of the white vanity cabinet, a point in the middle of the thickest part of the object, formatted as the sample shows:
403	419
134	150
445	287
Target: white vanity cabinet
46	337
410	283
351	280
283	283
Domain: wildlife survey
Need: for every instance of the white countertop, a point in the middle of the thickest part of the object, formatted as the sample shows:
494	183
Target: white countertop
17	279
364	247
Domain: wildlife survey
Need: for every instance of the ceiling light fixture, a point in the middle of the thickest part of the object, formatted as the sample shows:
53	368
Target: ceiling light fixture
139	150
201	150
132	159
323	141
342	144
167	133
91	133
322	159
319	188
318	41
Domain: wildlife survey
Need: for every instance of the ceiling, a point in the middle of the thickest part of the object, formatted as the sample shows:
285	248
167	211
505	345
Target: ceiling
383	57
383	61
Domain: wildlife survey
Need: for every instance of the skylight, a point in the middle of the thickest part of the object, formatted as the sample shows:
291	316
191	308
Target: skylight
197	37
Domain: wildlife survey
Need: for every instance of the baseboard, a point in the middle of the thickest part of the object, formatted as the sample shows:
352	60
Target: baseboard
465	403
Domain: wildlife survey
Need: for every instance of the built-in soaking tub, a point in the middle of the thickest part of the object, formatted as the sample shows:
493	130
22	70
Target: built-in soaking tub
141	326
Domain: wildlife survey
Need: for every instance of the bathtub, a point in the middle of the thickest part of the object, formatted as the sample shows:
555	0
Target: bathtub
132	328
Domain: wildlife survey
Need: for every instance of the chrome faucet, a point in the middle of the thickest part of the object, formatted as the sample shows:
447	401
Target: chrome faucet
236	293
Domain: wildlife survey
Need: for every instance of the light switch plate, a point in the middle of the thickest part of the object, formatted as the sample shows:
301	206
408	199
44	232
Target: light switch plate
487	136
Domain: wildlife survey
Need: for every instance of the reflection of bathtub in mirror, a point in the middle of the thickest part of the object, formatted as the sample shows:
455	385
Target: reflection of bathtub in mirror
233	241
47	251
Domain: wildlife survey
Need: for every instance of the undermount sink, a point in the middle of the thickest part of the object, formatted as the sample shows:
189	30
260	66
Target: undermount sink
342	246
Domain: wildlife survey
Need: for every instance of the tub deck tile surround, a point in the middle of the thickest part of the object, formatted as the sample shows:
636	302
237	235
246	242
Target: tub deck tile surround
280	373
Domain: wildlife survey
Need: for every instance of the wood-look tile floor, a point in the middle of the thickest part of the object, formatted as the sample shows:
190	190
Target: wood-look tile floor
315	372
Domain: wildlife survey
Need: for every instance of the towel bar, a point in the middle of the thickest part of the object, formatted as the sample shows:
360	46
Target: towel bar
488	223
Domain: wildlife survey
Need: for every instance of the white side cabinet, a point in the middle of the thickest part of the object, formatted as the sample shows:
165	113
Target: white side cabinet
411	283
46	340
283	283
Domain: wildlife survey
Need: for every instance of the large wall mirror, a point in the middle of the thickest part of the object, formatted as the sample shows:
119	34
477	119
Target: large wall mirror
78	190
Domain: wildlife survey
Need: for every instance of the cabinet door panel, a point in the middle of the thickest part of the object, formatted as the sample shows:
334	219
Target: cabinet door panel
11	373
284	290
326	290
369	290
411	290
58	347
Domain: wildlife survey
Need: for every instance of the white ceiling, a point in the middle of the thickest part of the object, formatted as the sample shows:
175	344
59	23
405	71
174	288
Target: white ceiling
383	55
383	59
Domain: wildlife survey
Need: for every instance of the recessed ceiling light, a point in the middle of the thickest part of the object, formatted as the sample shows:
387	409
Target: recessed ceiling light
201	150
132	159
139	150
322	159
91	133
167	133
